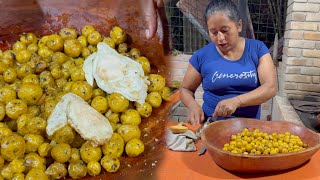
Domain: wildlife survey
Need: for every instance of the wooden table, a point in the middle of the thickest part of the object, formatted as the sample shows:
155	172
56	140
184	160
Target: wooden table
188	165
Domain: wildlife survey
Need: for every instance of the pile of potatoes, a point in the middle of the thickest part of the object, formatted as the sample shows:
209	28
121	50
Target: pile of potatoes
34	74
256	142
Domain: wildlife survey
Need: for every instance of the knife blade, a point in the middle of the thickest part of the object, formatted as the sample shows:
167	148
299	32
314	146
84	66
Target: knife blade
199	130
202	150
198	134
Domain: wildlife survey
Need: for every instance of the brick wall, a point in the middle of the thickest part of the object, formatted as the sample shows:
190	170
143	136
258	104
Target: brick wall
300	74
178	65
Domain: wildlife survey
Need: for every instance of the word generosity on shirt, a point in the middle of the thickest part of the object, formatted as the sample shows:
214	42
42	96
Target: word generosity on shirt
242	75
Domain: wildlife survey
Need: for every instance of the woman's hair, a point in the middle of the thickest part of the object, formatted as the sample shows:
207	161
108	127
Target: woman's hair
226	6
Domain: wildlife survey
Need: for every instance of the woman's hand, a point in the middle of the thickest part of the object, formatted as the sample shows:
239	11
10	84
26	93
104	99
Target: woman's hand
227	107
150	10
196	115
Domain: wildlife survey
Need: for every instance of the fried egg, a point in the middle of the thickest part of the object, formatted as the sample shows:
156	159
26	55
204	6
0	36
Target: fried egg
114	72
88	122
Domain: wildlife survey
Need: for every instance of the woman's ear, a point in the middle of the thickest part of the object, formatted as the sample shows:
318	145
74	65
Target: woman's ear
240	26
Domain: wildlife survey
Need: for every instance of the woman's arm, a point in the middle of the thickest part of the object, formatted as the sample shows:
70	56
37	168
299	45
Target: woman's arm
268	89
263	93
190	83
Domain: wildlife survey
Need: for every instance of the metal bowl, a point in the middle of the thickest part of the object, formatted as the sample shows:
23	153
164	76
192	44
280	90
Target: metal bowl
215	135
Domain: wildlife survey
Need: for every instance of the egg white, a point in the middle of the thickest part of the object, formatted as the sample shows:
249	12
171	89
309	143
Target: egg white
114	72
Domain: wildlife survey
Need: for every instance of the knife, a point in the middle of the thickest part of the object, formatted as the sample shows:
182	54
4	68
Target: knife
198	134
209	120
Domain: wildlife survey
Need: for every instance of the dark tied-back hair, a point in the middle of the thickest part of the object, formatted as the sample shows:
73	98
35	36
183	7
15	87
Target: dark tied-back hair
226	6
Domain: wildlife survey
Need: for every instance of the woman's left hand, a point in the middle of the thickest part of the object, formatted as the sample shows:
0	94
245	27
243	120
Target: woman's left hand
227	107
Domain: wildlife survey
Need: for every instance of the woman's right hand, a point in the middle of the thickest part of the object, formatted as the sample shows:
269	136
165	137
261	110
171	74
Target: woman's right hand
196	114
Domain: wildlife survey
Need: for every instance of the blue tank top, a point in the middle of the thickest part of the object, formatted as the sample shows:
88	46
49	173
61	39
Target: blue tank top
223	79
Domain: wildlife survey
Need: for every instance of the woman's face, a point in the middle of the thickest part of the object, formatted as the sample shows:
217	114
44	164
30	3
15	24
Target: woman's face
223	31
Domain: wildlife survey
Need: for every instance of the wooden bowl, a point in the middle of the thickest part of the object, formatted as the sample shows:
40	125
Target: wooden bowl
215	135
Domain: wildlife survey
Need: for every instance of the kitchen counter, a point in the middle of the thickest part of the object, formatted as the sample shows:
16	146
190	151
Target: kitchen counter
188	165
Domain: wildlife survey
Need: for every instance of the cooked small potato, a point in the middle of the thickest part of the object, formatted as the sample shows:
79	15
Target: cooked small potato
94	38
130	116
114	147
43	41
85	52
82	89
40	66
94	168
24	70
3	67
72	48
68	33
10	75
83	41
86	30
55	42
66	134
28	38
110	42
128	132
117	102
98	92
88	152
32	79
144	63
56	171
33	160
7	94
2	111
30	93
44	149
23	56
145	109
123	48
75	155
157	82
15	108
59	57
134	147
34	110
12	147
5	131
113	117
78	74
100	104
33	142
45	52
61	152
118	35
7	172
110	163
27	124
33	48
154	99
77	170
165	93
135	53
18	46
36	174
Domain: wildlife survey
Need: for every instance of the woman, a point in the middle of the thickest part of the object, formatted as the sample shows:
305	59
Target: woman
237	74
